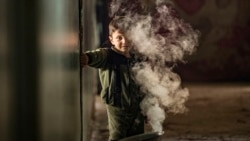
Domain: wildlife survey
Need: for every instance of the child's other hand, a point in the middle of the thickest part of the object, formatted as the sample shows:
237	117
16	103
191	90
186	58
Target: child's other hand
83	60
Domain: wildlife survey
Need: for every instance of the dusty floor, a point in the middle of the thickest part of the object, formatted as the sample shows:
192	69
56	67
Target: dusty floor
217	112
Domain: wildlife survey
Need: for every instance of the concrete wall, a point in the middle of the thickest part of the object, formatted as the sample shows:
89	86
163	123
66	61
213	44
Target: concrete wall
223	53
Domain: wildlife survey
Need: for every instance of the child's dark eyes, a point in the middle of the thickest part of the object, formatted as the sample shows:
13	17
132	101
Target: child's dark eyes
119	38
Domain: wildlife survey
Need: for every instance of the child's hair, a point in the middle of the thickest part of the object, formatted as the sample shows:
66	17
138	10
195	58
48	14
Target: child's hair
118	23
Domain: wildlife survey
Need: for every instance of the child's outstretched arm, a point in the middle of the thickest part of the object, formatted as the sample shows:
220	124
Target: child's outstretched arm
84	60
95	58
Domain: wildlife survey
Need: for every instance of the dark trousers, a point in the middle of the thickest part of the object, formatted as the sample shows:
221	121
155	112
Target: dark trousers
124	122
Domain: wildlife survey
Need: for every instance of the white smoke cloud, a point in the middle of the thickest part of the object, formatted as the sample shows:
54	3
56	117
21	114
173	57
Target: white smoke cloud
152	109
115	5
161	38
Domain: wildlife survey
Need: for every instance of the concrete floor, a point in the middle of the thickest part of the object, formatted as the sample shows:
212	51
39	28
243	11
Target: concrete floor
217	112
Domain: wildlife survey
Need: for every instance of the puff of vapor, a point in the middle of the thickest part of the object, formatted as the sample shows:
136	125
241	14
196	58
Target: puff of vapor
115	6
162	84
162	36
124	7
179	98
162	91
155	113
158	2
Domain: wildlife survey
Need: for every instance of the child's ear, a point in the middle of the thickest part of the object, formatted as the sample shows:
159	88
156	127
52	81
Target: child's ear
111	40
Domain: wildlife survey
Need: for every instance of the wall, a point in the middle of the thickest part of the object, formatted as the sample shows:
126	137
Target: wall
224	51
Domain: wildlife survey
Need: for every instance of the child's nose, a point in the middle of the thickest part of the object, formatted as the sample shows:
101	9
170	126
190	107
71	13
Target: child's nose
125	40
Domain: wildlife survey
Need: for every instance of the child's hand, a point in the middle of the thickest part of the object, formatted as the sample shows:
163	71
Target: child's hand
84	60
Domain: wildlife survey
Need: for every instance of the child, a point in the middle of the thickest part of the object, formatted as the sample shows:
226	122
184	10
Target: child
119	91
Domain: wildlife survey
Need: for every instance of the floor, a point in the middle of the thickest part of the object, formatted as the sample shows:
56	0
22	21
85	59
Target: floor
217	112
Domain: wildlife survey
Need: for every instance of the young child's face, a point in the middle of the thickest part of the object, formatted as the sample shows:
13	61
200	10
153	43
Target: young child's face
119	41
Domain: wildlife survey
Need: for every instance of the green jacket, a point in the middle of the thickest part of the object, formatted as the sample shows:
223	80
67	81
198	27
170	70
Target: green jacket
118	86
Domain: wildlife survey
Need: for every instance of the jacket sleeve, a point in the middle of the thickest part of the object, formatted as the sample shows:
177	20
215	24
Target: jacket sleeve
98	58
